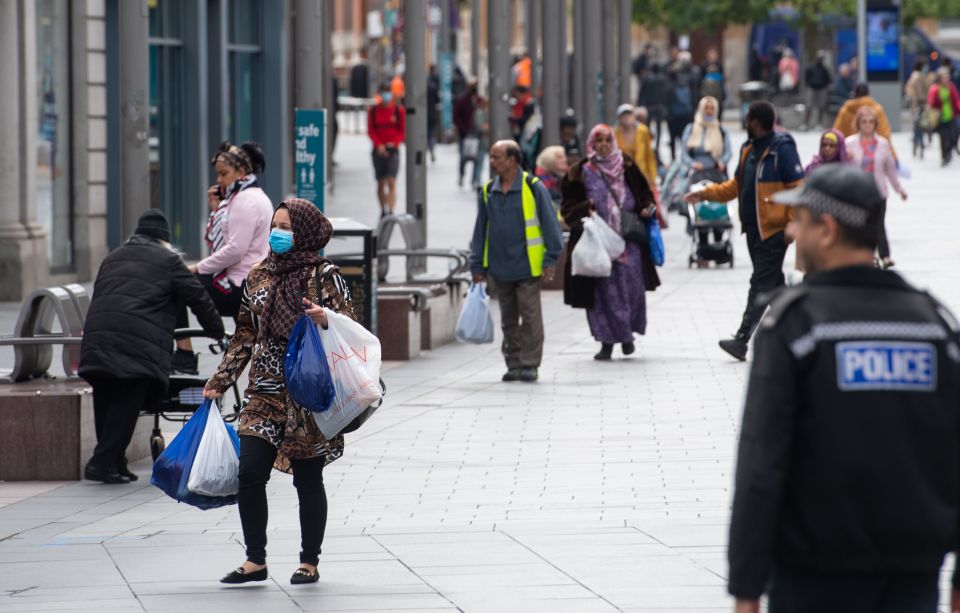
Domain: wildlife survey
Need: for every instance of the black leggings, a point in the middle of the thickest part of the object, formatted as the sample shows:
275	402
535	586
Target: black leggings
883	245
226	300
256	462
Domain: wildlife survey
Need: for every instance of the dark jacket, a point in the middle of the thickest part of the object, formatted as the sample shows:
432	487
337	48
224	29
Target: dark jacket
849	458
779	168
578	291
463	111
817	76
128	332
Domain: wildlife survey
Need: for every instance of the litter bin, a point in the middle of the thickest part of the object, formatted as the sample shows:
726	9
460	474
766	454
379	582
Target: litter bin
751	91
358	267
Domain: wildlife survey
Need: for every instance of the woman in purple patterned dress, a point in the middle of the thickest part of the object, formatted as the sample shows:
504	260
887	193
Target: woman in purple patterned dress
609	183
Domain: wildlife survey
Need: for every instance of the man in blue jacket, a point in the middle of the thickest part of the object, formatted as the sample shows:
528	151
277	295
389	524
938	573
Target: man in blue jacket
516	240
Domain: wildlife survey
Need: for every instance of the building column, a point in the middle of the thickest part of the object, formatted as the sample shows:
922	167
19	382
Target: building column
23	246
593	36
553	22
611	97
134	64
498	29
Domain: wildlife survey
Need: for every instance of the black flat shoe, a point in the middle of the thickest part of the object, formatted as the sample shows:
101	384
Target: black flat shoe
95	473
238	576
302	575
629	348
124	471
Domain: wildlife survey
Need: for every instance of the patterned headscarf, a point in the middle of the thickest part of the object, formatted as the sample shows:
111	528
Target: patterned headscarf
234	157
611	167
291	271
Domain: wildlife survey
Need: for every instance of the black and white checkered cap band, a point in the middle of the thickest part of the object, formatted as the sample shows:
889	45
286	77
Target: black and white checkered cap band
847	214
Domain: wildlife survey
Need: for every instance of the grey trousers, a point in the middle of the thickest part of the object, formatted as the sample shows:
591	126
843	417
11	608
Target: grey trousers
521	319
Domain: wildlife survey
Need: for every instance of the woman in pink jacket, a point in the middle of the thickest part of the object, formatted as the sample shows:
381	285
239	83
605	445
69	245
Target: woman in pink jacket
237	235
873	153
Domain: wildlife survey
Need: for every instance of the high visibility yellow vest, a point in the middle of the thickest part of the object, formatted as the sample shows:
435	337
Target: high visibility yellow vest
536	248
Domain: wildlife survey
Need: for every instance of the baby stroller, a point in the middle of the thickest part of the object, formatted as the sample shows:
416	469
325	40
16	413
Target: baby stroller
185	394
711	231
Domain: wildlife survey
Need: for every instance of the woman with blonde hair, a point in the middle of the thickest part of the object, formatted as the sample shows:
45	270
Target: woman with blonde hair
706	145
874	154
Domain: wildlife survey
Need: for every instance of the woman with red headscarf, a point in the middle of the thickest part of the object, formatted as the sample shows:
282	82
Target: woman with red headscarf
275	432
609	183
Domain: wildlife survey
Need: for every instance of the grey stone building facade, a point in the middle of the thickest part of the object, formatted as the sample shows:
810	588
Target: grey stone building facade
115	106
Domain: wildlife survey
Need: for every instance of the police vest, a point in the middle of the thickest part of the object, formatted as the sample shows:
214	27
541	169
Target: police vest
534	233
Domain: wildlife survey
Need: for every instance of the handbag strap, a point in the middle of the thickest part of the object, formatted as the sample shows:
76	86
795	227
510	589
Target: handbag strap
607	183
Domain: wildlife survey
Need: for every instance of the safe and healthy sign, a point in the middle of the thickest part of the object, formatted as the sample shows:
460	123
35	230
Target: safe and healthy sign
310	137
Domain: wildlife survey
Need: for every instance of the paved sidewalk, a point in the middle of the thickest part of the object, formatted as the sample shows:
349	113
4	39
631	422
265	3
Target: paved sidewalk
605	487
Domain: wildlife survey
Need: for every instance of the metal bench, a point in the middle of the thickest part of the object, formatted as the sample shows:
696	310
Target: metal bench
33	337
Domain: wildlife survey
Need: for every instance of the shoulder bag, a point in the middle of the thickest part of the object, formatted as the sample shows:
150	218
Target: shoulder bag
632	227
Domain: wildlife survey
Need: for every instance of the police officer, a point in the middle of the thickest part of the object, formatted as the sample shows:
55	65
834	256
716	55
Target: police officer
848	473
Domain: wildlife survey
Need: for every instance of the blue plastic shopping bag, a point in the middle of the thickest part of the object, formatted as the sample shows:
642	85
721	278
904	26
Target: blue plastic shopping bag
475	324
305	368
655	237
171	471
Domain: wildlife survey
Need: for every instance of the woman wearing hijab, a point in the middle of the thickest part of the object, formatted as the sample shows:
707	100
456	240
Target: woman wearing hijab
610	183
274	431
706	145
833	150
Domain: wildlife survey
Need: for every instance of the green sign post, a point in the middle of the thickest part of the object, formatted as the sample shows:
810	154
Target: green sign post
310	159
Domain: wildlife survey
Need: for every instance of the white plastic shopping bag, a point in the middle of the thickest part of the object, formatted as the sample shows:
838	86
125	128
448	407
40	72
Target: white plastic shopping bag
354	357
589	257
216	468
612	242
475	324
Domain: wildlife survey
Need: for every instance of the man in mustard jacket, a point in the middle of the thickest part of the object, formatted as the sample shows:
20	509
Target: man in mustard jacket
769	163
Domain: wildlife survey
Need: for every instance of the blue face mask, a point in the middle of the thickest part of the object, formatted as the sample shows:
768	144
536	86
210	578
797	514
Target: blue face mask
281	241
386	97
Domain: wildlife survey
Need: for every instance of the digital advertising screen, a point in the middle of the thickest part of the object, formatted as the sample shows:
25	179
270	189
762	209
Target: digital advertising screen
883	43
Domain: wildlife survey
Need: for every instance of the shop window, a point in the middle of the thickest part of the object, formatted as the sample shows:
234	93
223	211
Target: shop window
245	59
166	114
54	207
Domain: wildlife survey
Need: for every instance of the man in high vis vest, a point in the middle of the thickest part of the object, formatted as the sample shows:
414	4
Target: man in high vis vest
516	240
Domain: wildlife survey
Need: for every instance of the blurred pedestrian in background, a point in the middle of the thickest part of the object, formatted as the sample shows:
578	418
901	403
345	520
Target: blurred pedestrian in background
712	80
610	184
872	152
944	97
470	122
386	127
655	96
706	144
633	139
683	83
846	117
551	168
789	71
916	90
833	150
516	241
769	162
237	233
818	80
570	139
127	336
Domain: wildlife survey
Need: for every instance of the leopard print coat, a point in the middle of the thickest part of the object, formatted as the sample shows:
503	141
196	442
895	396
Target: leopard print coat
270	413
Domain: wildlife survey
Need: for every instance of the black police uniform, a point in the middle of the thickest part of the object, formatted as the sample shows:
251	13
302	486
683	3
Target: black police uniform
848	476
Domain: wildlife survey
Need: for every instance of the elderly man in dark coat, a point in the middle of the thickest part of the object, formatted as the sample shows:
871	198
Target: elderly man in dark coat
128	337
